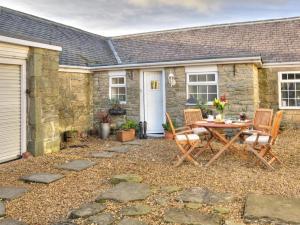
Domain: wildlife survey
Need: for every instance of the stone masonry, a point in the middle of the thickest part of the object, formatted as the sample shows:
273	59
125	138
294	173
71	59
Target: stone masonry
43	120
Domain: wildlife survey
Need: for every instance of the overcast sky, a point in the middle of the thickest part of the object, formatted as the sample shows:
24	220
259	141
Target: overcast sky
112	17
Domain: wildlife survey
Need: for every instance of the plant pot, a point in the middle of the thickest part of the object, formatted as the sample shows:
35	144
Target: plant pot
126	135
117	112
169	135
104	130
70	135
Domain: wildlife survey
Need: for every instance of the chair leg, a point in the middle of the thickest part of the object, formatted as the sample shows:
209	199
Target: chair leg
187	155
260	157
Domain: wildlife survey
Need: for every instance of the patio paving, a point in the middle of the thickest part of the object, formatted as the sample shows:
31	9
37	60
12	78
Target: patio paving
204	195
136	210
76	165
119	149
129	221
126	192
102	219
272	209
9	193
103	154
87	210
11	222
2	209
44	178
185	216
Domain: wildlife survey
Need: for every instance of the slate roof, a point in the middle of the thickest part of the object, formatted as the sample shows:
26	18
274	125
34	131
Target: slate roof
79	48
273	40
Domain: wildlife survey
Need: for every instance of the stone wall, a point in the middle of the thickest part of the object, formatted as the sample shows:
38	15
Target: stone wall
75	101
101	95
43	121
268	88
239	83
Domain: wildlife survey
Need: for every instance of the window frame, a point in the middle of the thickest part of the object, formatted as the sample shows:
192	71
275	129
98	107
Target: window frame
216	82
111	85
280	81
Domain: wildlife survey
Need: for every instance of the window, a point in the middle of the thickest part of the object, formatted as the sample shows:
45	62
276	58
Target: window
202	87
118	88
289	89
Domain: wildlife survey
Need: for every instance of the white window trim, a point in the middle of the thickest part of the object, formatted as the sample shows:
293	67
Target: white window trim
279	89
216	82
111	76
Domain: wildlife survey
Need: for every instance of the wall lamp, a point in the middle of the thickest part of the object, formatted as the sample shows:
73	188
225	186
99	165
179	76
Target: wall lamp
171	79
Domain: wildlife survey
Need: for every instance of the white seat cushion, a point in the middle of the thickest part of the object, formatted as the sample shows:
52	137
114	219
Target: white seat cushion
199	130
261	139
191	137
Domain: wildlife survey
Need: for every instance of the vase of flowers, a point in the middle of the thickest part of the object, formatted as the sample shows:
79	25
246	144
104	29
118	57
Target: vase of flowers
220	107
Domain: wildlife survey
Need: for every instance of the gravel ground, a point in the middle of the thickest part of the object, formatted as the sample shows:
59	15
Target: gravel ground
46	204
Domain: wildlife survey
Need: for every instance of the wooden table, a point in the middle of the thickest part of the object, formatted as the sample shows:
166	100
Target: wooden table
213	127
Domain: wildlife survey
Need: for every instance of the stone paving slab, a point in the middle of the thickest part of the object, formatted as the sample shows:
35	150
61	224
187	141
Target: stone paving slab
125	192
2	209
103	154
76	165
133	178
135	142
119	149
64	223
87	210
204	195
272	209
9	193
129	221
102	219
11	222
185	216
136	210
44	178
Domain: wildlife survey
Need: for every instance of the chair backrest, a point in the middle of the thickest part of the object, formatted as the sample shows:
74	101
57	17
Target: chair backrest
169	120
262	119
192	115
276	126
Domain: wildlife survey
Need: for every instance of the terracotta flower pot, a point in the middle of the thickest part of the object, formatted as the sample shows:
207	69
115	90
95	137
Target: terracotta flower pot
126	135
168	135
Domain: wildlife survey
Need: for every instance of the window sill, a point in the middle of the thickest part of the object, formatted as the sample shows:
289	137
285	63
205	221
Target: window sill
282	107
191	104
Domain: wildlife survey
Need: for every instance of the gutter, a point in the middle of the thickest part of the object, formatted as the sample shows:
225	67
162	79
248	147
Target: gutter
256	60
29	43
283	64
74	69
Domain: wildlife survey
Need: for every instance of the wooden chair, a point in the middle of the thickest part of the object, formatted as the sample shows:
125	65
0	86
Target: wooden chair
262	121
260	143
194	115
186	142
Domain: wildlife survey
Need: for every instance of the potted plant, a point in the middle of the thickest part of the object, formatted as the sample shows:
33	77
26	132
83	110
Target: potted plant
104	127
205	110
168	131
127	132
116	108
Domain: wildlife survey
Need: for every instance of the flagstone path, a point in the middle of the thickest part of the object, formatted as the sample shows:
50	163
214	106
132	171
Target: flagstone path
128	188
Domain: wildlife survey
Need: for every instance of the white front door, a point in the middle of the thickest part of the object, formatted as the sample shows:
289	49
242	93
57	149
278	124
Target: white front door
154	101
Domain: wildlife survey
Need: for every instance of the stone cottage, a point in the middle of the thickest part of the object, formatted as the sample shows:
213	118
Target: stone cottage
54	77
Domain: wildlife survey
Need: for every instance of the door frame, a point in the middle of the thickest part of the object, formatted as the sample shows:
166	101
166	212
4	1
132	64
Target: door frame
22	64
142	91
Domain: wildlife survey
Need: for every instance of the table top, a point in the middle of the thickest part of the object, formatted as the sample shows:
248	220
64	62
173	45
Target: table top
222	125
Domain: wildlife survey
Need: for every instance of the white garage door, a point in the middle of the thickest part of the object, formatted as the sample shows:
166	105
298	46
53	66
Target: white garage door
10	112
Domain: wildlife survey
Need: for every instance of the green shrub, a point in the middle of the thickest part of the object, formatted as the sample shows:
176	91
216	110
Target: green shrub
129	124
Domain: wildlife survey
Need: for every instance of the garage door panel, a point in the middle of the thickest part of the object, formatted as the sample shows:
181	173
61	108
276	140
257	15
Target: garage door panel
10	112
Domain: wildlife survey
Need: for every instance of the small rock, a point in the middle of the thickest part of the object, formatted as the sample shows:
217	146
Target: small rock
136	210
129	221
8	221
102	219
192	217
125	192
163	201
221	210
87	210
192	205
171	189
2	209
126	178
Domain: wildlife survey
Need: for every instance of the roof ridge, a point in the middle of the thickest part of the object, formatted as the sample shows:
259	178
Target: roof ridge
2	8
208	26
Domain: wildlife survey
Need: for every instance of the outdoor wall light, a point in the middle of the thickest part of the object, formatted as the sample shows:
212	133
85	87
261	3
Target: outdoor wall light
171	79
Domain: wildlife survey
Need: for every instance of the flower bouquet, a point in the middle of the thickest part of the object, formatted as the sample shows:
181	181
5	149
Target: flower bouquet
220	106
